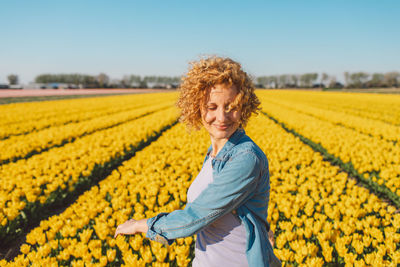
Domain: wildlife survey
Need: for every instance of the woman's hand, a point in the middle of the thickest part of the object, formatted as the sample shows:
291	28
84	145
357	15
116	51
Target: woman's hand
131	227
271	238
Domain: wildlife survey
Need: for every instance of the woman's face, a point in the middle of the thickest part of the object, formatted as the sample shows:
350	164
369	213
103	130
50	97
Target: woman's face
219	121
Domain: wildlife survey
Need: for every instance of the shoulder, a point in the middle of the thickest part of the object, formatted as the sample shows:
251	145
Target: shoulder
247	149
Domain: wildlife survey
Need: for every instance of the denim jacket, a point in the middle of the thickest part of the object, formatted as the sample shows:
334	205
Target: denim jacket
240	185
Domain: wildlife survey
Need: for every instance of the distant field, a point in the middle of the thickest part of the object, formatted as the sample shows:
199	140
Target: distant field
373	90
334	162
29	95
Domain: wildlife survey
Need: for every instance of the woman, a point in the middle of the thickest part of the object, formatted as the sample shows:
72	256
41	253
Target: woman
228	201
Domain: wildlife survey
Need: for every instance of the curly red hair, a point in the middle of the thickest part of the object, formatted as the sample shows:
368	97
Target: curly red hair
205	74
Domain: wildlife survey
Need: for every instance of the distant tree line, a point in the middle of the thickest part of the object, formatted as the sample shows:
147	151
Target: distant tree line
103	81
306	80
375	80
73	79
287	80
314	80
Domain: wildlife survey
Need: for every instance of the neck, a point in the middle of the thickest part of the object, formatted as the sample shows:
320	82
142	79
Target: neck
217	145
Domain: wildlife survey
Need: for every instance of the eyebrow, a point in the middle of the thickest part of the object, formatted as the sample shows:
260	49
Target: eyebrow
212	103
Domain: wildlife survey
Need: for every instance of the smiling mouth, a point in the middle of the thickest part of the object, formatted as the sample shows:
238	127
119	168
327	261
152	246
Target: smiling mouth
221	127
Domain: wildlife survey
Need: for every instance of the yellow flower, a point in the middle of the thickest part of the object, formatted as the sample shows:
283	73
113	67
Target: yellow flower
103	261
358	246
111	254
85	235
136	242
25	248
145	252
314	261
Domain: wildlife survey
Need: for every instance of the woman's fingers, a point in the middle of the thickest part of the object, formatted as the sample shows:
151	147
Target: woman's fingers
127	228
117	232
271	237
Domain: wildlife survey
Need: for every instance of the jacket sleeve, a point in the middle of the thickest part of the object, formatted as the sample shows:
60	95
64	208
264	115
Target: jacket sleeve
230	188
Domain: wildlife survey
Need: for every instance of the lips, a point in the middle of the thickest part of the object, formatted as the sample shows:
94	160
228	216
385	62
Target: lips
222	127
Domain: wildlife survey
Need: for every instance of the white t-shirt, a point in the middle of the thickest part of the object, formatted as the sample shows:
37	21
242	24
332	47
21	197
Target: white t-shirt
222	243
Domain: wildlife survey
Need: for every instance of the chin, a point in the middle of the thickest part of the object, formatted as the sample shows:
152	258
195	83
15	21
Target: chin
223	134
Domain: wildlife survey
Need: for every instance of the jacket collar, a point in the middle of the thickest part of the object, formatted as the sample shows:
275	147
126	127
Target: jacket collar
232	141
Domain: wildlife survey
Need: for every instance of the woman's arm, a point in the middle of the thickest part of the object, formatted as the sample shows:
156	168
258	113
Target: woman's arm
131	227
230	188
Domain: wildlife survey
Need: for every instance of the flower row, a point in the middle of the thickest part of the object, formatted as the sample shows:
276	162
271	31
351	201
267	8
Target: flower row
24	118
155	180
29	186
376	159
23	146
377	129
380	107
318	214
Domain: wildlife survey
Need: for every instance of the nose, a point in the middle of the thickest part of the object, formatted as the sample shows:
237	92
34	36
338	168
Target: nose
222	115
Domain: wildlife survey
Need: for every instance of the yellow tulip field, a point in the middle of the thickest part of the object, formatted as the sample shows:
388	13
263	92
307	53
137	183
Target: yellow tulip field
334	162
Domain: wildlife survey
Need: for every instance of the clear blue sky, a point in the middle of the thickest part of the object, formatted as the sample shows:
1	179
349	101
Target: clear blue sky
161	37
